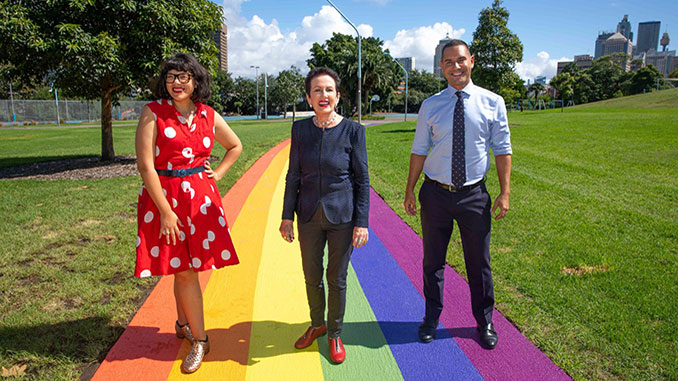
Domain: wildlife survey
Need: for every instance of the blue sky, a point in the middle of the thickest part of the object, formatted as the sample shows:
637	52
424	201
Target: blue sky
275	34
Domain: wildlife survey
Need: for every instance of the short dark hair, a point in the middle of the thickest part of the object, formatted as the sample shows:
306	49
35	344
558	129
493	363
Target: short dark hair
451	43
188	63
318	71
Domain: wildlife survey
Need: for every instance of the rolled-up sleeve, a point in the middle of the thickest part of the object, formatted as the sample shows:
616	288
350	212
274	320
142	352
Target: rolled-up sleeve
423	138
500	136
292	180
361	178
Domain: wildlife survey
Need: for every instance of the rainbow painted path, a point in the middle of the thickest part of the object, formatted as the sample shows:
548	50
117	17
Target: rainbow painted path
255	311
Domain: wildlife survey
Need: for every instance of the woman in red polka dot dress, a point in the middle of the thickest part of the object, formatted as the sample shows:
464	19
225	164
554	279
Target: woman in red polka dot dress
182	224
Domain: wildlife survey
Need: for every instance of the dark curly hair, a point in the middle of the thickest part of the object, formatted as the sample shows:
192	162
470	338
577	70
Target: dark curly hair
188	63
318	71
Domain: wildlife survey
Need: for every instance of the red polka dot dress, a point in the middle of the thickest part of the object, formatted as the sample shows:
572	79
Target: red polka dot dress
204	241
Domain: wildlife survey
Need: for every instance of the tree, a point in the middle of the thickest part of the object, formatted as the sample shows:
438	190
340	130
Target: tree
496	49
245	96
288	88
645	79
607	76
673	74
103	49
536	88
340	53
564	84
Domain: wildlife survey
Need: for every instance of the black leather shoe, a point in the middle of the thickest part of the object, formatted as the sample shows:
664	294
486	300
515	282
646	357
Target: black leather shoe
488	336
427	333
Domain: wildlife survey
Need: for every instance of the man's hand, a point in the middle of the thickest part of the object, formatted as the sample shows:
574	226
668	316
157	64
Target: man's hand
287	230
410	203
501	203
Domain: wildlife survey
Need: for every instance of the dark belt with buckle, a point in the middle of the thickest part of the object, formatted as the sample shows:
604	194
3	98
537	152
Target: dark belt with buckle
180	172
452	188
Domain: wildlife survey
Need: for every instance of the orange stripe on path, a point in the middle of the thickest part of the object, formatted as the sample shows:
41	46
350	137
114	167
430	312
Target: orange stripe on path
148	348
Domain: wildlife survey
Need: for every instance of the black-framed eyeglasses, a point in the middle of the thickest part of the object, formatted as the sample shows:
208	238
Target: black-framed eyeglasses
183	77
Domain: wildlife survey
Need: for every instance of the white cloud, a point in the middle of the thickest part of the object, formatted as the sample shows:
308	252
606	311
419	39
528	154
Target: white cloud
541	64
421	42
255	42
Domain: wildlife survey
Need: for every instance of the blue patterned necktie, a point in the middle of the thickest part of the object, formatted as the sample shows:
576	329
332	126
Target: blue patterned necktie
458	156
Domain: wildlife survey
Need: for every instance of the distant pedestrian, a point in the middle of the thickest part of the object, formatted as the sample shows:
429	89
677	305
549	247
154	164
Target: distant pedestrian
455	130
327	185
182	224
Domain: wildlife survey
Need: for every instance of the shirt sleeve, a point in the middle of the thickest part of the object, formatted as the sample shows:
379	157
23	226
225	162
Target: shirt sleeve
361	178
292	180
423	138
499	131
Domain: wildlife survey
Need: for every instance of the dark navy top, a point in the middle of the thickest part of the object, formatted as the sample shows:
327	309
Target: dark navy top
328	168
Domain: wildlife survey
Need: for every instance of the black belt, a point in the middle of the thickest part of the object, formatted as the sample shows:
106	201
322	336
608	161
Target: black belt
180	172
452	188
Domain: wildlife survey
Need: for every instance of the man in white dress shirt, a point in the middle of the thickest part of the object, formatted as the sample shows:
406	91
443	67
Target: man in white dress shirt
455	129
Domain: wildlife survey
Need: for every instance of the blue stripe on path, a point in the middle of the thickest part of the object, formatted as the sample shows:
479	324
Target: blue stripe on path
398	307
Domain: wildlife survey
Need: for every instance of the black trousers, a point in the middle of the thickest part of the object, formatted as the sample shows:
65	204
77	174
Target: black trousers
312	238
471	210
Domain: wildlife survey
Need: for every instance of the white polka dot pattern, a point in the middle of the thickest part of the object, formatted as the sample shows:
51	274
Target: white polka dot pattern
225	255
170	132
196	263
155	251
175	262
145	274
148	217
206	142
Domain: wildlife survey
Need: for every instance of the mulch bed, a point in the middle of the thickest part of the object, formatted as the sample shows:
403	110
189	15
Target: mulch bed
86	168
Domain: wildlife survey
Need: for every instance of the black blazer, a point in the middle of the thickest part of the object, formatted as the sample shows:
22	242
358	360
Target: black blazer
328	168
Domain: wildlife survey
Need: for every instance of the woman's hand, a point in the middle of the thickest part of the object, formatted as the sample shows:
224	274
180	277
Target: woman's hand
169	227
360	236
210	173
287	230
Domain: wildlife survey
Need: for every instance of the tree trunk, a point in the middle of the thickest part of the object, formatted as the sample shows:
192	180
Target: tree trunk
107	151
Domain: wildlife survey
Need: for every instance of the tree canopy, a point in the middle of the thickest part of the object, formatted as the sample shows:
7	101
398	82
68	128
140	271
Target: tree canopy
340	53
496	49
103	49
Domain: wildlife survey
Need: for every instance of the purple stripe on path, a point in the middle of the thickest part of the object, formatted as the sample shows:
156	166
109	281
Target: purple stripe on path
514	358
398	308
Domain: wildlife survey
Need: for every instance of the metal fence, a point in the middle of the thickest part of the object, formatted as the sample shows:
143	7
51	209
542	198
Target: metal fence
24	112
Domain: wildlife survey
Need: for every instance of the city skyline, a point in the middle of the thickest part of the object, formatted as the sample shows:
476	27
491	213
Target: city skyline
277	34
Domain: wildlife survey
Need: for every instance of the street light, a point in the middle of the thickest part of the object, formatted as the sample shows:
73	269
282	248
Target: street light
360	64
406	77
56	99
256	70
11	96
266	95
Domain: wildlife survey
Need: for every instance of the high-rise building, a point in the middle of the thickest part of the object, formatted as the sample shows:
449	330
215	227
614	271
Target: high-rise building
221	39
541	79
648	36
583	61
602	37
439	56
407	62
617	43
663	61
624	27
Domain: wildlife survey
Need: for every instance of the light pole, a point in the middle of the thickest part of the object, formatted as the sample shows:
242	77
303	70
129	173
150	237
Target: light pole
406	78
360	64
56	99
266	95
256	70
11	96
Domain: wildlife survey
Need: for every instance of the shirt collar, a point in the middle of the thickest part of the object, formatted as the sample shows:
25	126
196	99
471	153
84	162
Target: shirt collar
468	89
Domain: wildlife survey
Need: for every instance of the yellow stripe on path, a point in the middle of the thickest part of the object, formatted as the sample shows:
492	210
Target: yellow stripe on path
280	308
229	295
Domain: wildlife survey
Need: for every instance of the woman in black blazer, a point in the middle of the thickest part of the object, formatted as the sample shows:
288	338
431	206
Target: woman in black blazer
327	185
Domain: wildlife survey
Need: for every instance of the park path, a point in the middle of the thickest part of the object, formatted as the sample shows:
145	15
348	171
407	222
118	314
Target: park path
255	311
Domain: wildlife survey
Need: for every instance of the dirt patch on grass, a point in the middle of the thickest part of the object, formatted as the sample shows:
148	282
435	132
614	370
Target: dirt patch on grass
585	270
74	169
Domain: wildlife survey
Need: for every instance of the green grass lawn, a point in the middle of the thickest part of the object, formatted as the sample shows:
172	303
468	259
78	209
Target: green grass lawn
66	285
585	263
